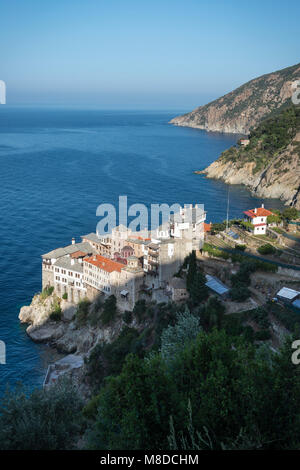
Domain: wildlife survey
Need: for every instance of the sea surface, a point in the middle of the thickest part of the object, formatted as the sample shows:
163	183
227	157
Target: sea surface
58	165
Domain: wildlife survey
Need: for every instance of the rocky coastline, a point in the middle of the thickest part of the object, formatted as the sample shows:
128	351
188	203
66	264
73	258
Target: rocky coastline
66	336
279	180
245	107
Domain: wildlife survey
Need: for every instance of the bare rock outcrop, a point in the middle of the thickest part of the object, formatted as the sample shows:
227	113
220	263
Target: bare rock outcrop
66	335
243	108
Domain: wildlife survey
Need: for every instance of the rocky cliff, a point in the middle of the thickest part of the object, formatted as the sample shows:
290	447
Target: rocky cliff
270	164
243	108
66	335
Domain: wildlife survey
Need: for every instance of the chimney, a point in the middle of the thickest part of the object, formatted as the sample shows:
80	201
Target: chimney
263	206
255	210
94	258
72	261
73	241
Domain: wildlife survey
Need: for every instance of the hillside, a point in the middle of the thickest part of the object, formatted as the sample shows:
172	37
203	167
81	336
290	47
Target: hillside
270	164
243	108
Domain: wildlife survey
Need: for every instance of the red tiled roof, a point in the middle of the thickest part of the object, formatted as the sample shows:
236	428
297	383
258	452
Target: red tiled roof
105	264
260	212
135	237
207	227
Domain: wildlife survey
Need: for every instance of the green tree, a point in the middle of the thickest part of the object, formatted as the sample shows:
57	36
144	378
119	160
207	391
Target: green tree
239	293
198	290
290	213
174	338
192	270
109	310
41	420
266	249
134	408
238	398
212	314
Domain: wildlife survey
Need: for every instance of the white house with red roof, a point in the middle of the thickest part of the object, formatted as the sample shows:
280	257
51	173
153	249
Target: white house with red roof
258	218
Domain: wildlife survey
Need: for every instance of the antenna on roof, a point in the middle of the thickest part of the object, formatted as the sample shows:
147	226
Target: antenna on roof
227	215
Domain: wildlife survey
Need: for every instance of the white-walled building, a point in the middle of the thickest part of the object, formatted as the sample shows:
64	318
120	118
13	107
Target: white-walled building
68	277
49	259
258	218
105	276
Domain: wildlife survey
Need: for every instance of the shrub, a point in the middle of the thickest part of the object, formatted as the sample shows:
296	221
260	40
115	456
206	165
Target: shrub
242	277
218	227
198	290
91	408
127	317
139	310
266	249
290	213
274	218
55	316
212	313
231	391
82	311
65	296
262	335
260	316
56	312
239	293
94	317
42	420
46	292
174	338
215	251
240	247
109	310
107	359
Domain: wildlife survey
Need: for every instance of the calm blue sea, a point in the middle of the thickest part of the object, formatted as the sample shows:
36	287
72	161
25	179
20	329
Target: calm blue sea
58	165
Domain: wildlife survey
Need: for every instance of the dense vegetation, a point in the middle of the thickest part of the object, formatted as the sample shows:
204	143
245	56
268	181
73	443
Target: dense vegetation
42	420
266	249
236	397
196	380
266	141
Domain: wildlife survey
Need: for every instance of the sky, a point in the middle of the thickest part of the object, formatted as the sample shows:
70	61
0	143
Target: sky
146	54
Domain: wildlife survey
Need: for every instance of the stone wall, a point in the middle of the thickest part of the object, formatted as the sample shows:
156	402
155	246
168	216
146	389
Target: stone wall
289	272
47	277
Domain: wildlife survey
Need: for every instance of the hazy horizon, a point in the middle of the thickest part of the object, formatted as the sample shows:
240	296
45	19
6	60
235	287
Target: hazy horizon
139	55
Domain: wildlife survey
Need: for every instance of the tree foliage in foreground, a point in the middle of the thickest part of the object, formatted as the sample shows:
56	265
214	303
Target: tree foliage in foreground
236	397
42	420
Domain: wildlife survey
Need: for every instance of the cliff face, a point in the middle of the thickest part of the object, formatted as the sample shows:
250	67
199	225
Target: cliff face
245	107
270	165
65	335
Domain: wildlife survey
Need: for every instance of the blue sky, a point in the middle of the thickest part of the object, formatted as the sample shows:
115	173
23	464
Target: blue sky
166	54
